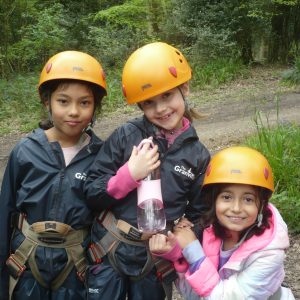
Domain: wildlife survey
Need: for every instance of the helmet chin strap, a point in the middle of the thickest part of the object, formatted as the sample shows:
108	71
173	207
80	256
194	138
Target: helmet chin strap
91	124
183	97
259	217
257	223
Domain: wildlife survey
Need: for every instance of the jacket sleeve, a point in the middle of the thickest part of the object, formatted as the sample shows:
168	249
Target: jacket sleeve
112	155
7	207
261	275
195	205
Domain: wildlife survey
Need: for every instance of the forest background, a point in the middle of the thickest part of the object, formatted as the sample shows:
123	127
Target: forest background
222	40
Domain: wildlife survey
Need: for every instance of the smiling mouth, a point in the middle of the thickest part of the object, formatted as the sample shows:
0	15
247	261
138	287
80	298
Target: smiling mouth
165	117
235	219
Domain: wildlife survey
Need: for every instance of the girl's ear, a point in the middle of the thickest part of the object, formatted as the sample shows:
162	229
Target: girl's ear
46	103
185	87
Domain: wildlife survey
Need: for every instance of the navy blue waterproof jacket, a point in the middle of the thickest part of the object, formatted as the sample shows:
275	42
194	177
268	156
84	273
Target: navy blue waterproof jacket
37	182
182	169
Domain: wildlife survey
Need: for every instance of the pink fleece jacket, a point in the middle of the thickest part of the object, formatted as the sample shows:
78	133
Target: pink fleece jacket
254	271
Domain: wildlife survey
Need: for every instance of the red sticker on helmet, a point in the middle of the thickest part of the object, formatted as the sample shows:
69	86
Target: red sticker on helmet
48	67
173	71
266	173
208	170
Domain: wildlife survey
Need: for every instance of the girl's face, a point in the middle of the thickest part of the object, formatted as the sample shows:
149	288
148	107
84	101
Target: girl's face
167	109
237	208
72	108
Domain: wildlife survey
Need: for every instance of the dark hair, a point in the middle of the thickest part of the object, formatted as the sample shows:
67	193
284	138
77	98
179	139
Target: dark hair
47	89
210	194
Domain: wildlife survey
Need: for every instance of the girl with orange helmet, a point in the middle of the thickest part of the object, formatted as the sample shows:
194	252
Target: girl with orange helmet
242	251
156	78
45	223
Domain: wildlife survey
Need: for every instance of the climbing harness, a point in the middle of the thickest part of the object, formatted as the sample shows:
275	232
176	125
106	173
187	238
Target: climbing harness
120	231
49	234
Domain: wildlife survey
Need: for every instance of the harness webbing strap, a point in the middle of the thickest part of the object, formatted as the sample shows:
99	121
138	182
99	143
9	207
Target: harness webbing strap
34	268
51	235
146	268
16	263
118	231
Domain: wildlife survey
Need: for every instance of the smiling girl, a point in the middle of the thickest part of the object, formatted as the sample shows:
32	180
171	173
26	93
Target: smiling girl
155	77
242	252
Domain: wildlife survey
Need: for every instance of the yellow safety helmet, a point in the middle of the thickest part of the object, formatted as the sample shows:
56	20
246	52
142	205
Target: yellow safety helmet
73	65
152	70
241	165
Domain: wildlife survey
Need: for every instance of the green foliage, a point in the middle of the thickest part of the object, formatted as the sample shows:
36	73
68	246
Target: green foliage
131	14
216	72
116	32
211	45
33	30
114	98
20	107
214	26
40	40
281	146
292	76
14	14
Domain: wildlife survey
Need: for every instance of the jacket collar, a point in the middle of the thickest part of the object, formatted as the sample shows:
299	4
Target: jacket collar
276	236
40	137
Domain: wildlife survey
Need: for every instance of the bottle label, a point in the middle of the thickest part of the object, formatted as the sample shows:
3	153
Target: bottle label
149	189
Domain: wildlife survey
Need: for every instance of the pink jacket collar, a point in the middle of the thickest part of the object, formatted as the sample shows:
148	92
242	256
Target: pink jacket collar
211	244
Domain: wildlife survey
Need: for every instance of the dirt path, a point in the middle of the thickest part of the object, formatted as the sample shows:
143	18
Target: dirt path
231	110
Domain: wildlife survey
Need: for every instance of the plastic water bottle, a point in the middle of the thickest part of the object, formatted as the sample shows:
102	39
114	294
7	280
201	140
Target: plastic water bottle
150	210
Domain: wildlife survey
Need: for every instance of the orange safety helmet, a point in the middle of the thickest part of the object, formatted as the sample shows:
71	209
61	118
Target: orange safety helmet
152	70
240	165
73	65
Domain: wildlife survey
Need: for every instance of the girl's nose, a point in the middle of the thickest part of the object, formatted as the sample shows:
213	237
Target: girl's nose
236	205
160	106
73	110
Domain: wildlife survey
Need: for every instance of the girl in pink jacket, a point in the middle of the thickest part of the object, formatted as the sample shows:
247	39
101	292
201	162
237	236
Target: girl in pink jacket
243	249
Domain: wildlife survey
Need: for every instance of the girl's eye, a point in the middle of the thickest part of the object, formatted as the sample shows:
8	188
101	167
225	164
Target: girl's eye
249	199
85	103
146	103
225	197
62	101
166	95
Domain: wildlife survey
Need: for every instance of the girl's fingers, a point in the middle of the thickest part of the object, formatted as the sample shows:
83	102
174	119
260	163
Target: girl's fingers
134	151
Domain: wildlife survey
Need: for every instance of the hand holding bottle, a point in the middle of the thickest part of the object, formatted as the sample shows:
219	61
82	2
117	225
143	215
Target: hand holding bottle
143	160
150	208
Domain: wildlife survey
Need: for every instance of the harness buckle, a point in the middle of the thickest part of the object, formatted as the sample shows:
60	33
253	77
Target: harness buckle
15	268
51	240
93	254
81	275
166	272
129	231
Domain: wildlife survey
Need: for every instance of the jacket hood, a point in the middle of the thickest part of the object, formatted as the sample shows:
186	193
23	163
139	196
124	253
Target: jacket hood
38	135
